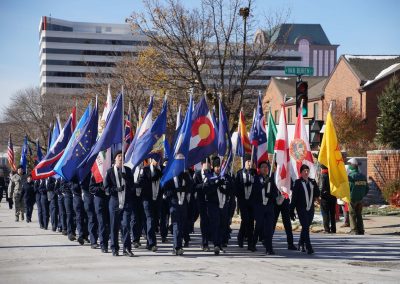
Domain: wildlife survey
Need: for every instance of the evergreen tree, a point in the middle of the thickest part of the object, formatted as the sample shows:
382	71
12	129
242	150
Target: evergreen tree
388	122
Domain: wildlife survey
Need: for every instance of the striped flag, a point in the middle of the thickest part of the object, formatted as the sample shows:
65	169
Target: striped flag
10	154
282	176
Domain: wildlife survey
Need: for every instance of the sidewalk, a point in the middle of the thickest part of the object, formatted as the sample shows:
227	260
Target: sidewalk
373	225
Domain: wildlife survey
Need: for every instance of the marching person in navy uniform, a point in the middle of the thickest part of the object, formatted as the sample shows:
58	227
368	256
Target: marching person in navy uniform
176	190
66	189
149	181
88	203
119	184
36	186
305	191
282	206
265	192
244	191
199	194
100	199
216	189
137	215
51	184
80	214
164	211
29	197
44	202
62	214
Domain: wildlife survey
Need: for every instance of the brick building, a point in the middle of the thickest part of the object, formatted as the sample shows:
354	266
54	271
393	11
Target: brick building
281	86
355	83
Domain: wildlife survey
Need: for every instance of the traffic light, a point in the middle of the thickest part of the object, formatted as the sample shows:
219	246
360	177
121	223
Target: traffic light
302	95
315	135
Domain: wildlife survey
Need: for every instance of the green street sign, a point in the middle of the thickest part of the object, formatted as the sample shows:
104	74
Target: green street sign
296	70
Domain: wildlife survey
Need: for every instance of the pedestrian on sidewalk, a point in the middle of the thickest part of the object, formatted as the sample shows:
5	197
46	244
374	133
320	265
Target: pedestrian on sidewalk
358	189
328	202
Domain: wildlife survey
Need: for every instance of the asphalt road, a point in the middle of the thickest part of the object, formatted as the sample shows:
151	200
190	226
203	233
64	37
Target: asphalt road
31	255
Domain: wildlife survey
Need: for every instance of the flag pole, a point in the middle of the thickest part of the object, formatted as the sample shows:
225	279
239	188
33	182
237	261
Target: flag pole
252	146
123	131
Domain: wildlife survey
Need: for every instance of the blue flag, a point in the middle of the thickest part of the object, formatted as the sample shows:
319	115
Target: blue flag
178	161
39	154
45	167
203	140
167	148
146	124
224	141
144	144
80	147
112	134
55	133
24	154
81	123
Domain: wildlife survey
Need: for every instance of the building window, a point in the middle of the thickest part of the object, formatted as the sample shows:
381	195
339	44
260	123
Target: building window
289	115
98	30
316	110
333	103
276	115
108	30
349	103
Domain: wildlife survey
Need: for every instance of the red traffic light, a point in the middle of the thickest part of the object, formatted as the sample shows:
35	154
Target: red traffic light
302	87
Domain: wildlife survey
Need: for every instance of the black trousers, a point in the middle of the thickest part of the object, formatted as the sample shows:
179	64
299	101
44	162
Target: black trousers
305	218
328	208
285	211
103	218
88	201
247	223
69	212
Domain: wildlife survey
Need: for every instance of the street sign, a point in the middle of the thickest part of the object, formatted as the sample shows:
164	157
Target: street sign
297	70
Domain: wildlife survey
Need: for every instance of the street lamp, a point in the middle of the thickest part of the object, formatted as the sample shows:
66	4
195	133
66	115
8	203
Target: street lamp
244	12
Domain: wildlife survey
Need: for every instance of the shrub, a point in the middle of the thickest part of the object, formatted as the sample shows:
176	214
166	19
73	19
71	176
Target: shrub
391	192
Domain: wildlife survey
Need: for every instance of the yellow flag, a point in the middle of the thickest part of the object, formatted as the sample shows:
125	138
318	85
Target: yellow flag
331	157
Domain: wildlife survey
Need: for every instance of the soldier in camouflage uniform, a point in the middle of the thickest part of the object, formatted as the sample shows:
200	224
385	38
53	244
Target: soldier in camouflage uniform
15	190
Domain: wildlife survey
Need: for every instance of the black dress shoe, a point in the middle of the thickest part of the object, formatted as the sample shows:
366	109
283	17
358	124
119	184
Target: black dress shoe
205	248
251	248
240	243
128	253
186	245
216	250
64	233
310	251
163	240
292	247
81	241
115	253
104	250
270	252
94	246
71	238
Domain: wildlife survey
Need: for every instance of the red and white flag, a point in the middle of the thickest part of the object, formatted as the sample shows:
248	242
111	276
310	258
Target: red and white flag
300	151
104	159
282	175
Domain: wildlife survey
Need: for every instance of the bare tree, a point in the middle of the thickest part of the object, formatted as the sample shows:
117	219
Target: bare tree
209	49
31	114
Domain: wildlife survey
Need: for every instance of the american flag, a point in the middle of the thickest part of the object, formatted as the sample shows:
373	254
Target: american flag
10	154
